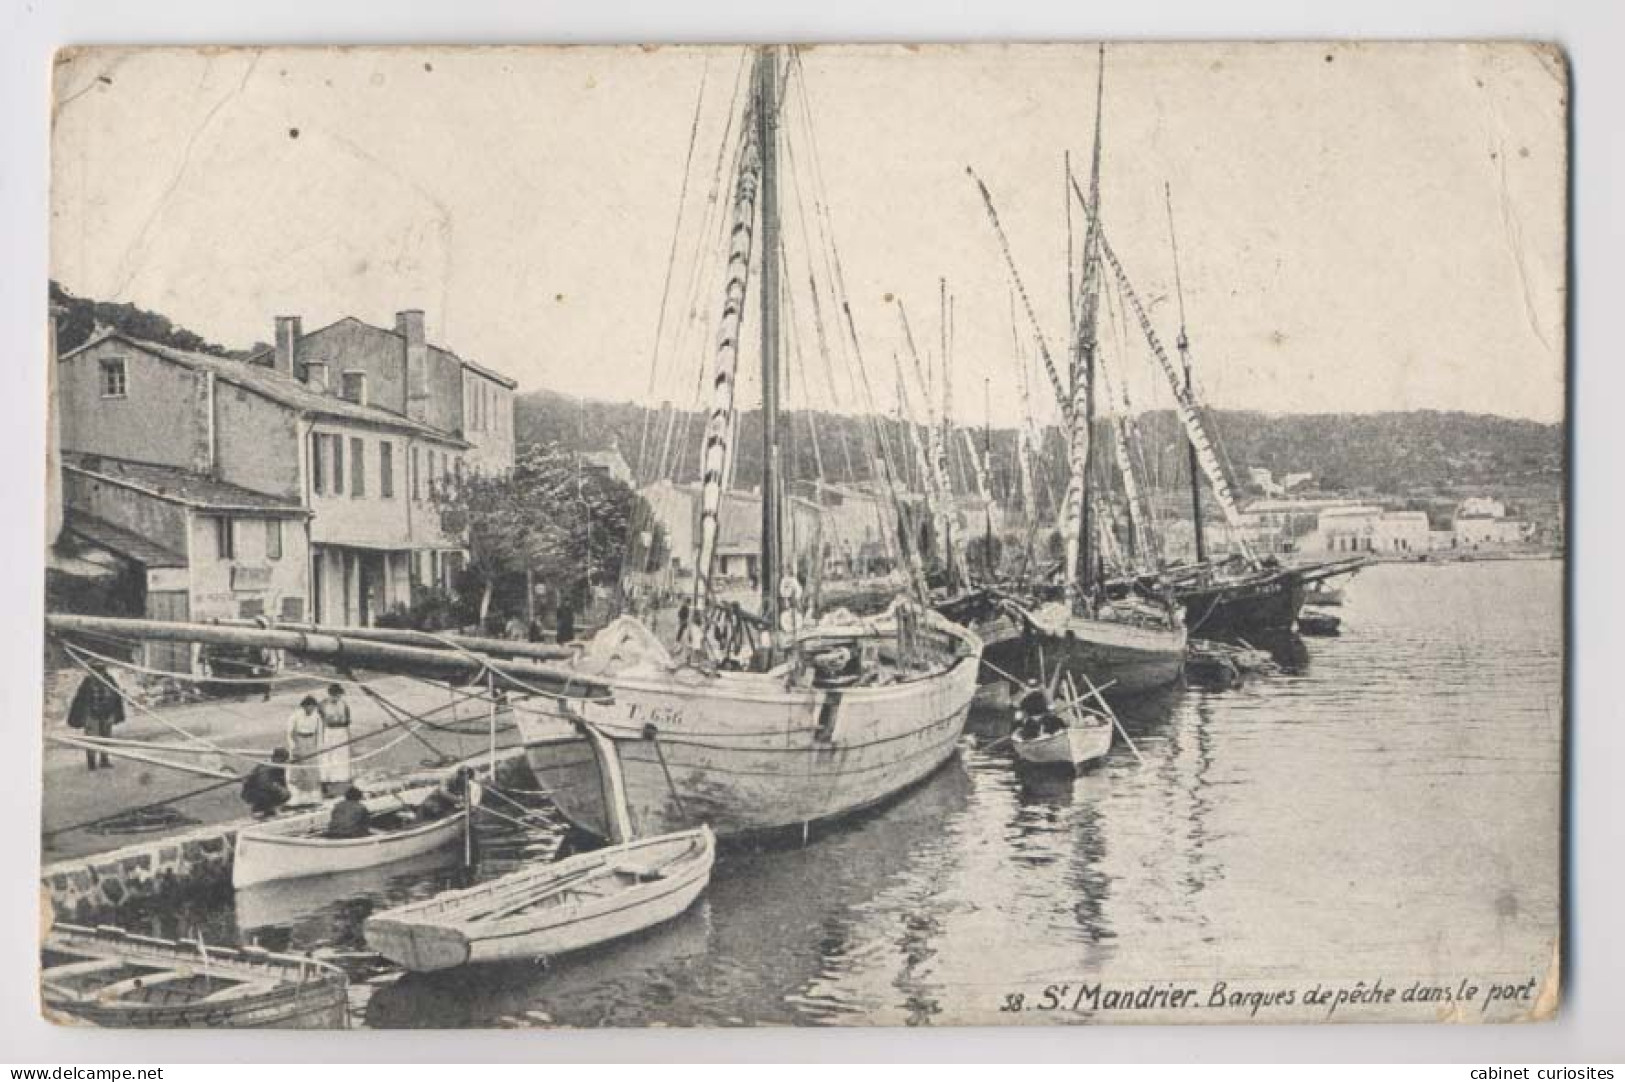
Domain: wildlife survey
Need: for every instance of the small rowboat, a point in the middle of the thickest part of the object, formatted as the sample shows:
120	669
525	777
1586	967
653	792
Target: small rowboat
297	846
1073	745
109	977
1084	733
579	902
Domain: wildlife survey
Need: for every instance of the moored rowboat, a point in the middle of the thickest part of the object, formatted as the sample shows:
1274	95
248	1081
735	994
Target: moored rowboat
1075	745
297	846
108	977
579	902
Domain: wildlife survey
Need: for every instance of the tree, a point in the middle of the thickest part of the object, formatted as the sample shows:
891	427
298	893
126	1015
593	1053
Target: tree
547	519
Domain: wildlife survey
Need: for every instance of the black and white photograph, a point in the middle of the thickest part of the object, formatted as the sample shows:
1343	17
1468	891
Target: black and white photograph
805	535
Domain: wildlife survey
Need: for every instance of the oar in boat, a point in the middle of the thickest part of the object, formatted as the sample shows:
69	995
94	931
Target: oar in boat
1101	699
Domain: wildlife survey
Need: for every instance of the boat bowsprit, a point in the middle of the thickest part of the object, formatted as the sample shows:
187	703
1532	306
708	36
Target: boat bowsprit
555	909
297	846
109	977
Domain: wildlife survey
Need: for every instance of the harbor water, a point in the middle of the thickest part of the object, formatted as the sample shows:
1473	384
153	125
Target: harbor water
1386	808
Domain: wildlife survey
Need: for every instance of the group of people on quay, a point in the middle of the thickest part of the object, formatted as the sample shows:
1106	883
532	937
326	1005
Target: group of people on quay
314	763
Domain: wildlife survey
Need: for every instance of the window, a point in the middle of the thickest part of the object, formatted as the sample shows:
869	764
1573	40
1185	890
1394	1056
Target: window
337	443
225	539
386	469
432	477
412	467
353	386
273	539
358	466
318	463
293	609
115	381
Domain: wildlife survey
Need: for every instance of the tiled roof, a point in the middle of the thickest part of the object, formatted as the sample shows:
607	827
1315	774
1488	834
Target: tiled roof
277	387
472	366
118	540
179	486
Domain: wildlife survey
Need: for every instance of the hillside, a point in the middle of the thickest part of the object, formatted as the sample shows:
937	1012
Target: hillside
1415	453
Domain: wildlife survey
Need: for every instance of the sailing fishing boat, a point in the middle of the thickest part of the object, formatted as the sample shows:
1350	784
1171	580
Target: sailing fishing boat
1128	644
769	719
1243	593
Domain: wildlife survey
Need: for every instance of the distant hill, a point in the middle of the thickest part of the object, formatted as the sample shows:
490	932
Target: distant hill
1415	453
81	315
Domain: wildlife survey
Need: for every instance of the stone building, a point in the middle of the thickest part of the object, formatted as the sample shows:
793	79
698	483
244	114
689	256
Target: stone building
344	433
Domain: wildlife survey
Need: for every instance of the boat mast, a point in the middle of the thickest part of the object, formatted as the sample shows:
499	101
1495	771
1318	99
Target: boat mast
987	478
767	132
1183	344
1080	556
720	424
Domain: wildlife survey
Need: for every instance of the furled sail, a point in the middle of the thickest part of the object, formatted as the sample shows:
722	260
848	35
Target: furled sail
1189	413
721	423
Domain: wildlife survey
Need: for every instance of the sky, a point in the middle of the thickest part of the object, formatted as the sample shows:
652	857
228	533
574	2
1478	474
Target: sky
1360	227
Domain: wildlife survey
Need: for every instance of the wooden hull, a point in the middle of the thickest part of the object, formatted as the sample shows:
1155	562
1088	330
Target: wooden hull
287	848
1133	660
92	978
745	754
1246	607
1072	747
598	906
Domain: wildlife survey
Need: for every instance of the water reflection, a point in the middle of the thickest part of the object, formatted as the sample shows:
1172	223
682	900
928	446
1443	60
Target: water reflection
1288	819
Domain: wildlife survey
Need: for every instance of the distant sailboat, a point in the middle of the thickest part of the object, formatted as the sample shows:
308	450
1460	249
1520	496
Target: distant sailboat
1133	643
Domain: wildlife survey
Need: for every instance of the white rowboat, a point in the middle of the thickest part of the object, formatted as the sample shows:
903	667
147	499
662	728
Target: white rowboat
1075	745
579	902
296	846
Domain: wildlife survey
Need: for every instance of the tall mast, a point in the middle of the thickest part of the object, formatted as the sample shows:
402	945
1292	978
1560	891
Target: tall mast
767	127
1183	343
721	422
1080	556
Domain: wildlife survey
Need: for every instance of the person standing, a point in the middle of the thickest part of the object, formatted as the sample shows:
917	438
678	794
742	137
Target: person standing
335	759
96	708
305	749
566	625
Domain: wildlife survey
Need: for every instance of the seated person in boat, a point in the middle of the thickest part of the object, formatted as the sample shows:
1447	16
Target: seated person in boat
446	798
350	818
1033	713
266	787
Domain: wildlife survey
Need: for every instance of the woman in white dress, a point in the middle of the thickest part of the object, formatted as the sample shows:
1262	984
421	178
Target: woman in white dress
304	747
335	769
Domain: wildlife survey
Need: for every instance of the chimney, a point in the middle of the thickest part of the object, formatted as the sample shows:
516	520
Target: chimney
409	325
286	360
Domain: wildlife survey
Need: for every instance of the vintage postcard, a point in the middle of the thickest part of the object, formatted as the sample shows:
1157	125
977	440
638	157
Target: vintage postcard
805	535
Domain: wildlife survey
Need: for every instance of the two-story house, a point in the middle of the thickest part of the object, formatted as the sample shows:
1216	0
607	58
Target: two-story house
330	429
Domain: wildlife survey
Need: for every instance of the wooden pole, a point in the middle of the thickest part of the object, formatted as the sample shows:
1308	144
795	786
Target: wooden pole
342	647
1104	705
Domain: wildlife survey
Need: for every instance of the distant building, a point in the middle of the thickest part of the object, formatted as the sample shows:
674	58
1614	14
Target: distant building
1473	532
610	463
1481	507
1355	529
677	509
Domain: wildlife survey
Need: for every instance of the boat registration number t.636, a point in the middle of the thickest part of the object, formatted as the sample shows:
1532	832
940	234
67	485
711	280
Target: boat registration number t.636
659	716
